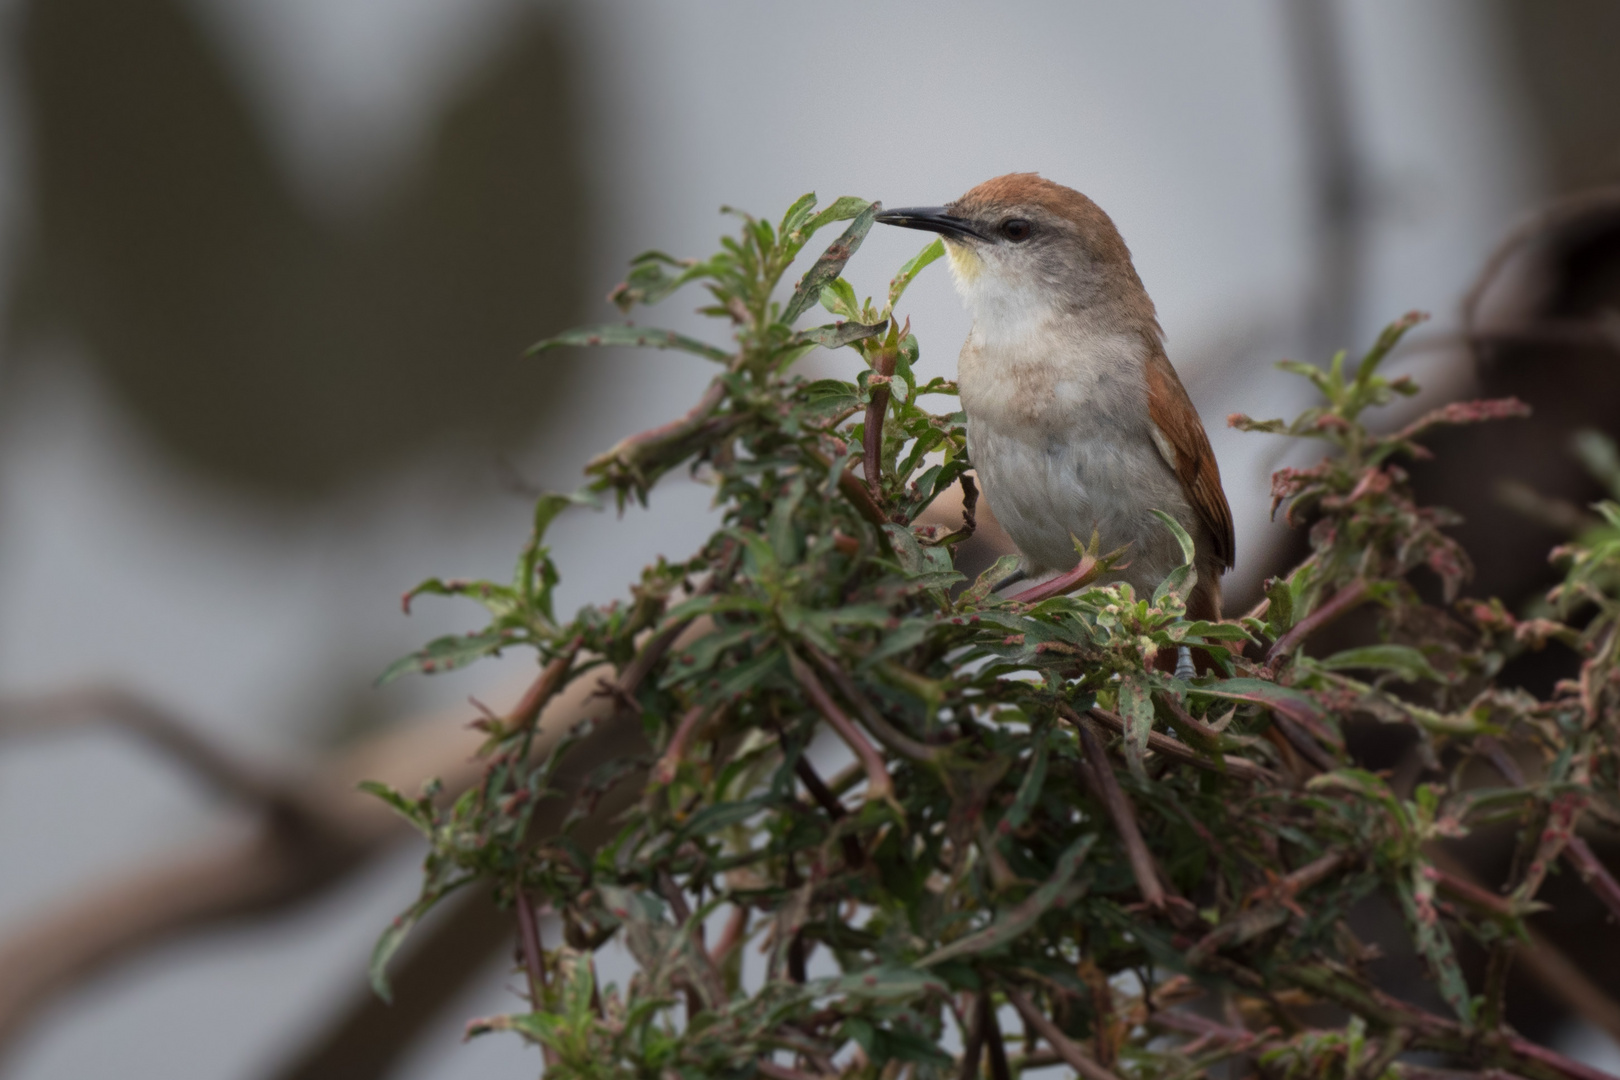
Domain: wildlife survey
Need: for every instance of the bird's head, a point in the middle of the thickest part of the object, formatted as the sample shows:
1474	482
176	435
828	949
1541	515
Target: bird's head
1026	243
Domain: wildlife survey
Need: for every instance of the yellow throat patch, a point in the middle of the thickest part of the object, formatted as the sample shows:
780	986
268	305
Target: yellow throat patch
965	263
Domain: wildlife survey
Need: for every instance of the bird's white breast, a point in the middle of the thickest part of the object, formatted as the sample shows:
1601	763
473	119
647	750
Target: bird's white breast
1058	430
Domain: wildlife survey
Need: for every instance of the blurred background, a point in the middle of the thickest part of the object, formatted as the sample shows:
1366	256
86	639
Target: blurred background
267	270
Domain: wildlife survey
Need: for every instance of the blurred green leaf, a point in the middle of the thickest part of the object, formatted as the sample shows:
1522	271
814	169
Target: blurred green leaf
447	653
615	334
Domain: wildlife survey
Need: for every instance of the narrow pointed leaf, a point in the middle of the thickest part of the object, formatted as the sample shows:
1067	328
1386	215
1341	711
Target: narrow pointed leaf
1012	923
831	263
615	334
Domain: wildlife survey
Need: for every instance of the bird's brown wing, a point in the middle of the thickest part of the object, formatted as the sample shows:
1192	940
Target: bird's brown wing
1185	445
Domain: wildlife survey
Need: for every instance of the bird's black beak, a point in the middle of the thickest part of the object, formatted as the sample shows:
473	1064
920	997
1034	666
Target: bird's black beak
932	219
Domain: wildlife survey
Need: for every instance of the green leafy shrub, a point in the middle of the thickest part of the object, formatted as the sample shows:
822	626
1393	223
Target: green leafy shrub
1038	822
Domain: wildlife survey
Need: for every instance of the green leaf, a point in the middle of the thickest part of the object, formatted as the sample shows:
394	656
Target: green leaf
825	397
448	652
842	209
987	581
649	282
885	982
1294	704
1180	581
797	214
393	937
1417	904
1136	708
616	334
417	812
1011	924
831	264
908	273
834	335
1280	612
499	600
1403	660
1029	790
839	298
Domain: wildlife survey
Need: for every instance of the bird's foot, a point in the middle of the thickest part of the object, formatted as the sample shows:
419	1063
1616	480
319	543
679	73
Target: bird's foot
1184	664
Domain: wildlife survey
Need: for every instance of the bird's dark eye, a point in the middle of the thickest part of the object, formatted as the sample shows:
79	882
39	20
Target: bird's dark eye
1016	229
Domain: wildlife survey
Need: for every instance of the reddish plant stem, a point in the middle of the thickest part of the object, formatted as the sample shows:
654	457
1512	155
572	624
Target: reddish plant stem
886	733
630	451
713	987
631	678
970	513
1466	892
1485	1048
851	487
1084	571
1579	855
1341	602
1101	779
534	962
668	764
1067	1049
731	936
877	410
878	783
1577	852
528	709
1301	741
1204	1029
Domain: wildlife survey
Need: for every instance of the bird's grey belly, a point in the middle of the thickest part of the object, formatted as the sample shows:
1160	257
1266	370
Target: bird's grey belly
1046	492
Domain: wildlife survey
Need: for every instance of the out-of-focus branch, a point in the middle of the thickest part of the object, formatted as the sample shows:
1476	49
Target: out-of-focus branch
81	706
312	830
1559	214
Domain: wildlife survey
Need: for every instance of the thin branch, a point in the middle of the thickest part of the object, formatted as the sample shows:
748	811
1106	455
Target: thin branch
534	962
993	1042
1302	742
973	1040
1069	1050
885	732
182	741
313	835
1435	1033
879	785
731	935
854	855
670	762
1341	602
854	490
877	410
1578	853
1558	214
1084	572
1540	958
1100	774
1239	768
1205	1030
527	711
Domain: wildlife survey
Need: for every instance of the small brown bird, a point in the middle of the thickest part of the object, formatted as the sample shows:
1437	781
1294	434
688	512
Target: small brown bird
1075	418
